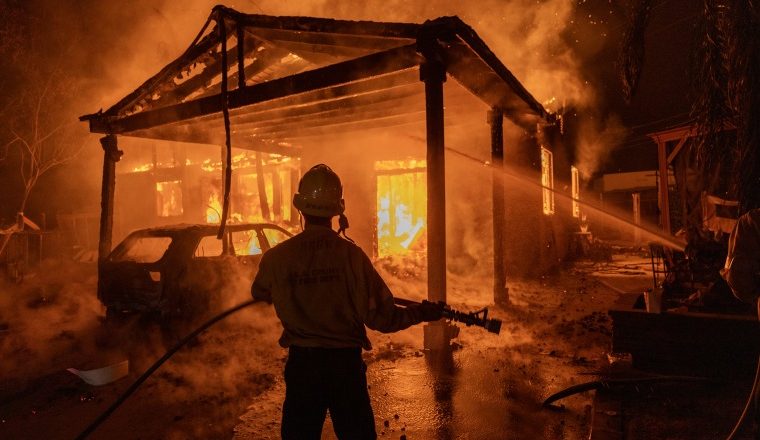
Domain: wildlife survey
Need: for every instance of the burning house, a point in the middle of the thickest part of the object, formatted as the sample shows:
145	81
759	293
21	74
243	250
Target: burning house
418	119
187	187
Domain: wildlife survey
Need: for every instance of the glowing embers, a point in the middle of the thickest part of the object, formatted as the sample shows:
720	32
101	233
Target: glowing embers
547	181
575	181
169	198
401	206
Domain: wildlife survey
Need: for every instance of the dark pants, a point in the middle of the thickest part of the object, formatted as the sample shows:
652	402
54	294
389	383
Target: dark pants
318	379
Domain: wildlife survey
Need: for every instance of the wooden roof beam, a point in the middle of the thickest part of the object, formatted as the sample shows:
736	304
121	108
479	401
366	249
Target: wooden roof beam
326	120
325	25
198	135
398	105
343	104
305	50
340	121
468	36
371	43
382	122
377	85
379	63
213	69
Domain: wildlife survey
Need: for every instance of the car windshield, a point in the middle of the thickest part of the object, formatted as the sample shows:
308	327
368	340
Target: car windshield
147	249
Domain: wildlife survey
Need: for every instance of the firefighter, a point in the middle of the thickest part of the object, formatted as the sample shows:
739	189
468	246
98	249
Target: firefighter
742	268
325	291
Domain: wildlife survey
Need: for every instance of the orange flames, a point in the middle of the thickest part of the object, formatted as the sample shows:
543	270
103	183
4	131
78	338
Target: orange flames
213	209
547	180
246	205
401	206
575	190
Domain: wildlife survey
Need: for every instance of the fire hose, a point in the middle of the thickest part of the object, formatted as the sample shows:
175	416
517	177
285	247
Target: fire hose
478	318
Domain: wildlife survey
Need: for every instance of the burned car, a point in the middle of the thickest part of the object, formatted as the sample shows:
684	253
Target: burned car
182	270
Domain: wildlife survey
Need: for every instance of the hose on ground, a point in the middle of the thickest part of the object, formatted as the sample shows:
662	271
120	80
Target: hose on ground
132	388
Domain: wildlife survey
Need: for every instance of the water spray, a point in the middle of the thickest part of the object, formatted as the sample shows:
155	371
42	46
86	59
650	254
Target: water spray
659	236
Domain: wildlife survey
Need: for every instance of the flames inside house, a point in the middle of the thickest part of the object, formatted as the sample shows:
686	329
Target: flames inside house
401	206
575	190
190	191
547	180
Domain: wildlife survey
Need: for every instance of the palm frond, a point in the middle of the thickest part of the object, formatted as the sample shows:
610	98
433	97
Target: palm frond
631	59
728	96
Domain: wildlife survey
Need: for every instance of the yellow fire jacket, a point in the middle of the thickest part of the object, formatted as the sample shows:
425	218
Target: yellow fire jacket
742	268
325	290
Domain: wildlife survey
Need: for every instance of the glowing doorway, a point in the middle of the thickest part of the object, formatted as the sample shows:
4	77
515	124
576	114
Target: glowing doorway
401	206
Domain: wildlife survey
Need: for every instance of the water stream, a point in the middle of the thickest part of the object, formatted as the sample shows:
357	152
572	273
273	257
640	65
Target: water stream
621	222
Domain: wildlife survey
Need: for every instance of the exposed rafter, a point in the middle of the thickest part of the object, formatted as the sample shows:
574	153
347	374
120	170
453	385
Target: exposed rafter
299	69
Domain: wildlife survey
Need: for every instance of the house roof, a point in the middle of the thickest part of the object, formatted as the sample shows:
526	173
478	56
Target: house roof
296	77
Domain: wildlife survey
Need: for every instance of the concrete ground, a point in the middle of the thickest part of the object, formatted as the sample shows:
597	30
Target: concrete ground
555	334
229	384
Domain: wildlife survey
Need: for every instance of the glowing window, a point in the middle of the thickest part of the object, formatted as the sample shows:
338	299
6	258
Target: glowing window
169	198
576	190
246	242
547	180
401	206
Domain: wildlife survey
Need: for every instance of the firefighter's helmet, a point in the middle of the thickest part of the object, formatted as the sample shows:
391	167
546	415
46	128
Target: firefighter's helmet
320	193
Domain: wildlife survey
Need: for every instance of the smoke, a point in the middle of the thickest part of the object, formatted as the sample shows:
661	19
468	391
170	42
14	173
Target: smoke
118	48
54	321
527	36
596	140
44	322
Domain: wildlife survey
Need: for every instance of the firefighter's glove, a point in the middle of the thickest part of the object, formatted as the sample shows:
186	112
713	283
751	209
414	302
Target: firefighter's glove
430	311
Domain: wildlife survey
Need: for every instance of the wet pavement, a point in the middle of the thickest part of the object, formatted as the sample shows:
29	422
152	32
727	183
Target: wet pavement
490	386
555	334
469	394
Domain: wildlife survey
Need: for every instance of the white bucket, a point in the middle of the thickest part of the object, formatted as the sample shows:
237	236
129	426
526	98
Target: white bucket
653	300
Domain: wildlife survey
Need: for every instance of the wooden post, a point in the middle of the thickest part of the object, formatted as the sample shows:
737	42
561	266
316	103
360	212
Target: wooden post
111	155
437	335
434	75
663	186
500	289
240	35
636	200
261	186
